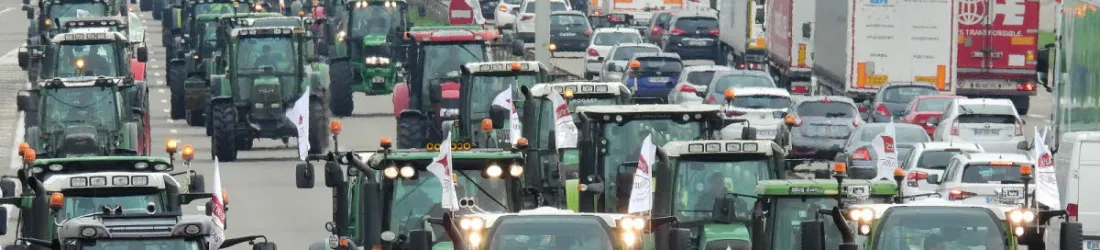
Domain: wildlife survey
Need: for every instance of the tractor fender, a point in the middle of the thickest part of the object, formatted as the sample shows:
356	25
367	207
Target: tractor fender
137	69
400	98
411	113
214	101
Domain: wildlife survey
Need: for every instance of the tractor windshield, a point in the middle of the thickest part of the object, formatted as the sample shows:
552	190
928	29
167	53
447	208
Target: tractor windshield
484	88
64	12
375	19
940	228
213	8
625	142
443	60
787	214
142	243
79	202
98	58
701	179
414	199
546	115
84	106
257	54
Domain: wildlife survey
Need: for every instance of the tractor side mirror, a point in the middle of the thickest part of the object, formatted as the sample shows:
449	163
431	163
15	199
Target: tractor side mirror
264	246
23	100
517	47
30	11
142	54
499	115
725	210
807	28
748	133
1023	146
4	217
138	111
23	57
333	174
303	177
813	235
8	186
681	238
420	239
435	92
934	179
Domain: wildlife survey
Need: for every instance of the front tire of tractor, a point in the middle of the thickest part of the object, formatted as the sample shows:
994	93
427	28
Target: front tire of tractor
318	131
194	118
224	138
411	132
145	5
341	79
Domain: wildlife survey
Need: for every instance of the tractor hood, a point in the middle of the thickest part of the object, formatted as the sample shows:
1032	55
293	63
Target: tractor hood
374	40
724	236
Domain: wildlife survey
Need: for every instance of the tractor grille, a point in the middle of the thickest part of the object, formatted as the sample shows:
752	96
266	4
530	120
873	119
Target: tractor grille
268	93
728	244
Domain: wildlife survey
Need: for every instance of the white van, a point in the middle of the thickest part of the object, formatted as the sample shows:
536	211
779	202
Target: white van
1077	167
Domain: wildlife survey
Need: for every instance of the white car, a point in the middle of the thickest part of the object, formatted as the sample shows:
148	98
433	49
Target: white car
760	108
930	158
602	42
615	62
983	178
691	87
505	15
993	123
524	26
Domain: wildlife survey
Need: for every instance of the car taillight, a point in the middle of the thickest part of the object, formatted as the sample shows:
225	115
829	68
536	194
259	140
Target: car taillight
588	32
712	100
915	176
734	113
714	32
503	8
655	29
881	108
677	32
800	89
861	155
1019	129
1026	87
593	52
687	88
955	128
525	18
1071	210
960	195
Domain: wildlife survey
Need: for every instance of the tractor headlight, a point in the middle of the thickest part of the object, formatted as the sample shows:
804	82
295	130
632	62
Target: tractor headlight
515	170
629	238
340	36
408	171
88	232
390	172
192	229
471	223
475	239
494	171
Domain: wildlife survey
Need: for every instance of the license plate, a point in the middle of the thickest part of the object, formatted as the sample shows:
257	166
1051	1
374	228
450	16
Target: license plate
568	34
378	79
697	42
1092	244
765	134
1012	193
658	79
986	131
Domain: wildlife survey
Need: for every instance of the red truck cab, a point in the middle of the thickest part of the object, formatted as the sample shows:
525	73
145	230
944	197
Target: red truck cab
998	50
923	108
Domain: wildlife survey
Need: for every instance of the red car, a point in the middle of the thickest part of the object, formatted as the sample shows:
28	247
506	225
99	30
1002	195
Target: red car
924	108
658	25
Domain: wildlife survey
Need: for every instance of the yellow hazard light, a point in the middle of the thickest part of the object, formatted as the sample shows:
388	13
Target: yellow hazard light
188	152
170	146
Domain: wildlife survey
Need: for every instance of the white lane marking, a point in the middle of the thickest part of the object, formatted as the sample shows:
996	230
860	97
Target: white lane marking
160	91
155	66
170	121
163	101
6	10
157	74
167	111
173	131
159	82
1036	116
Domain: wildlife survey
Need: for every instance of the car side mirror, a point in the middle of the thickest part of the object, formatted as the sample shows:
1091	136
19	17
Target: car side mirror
499	115
435	92
333	174
142	54
23	100
724	209
264	246
812	235
934	179
138	111
1023	146
806	29
303	175
681	238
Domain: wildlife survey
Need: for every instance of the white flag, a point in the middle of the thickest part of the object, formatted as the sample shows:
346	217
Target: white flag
1046	190
504	99
641	195
441	168
299	115
218	234
886	153
565	131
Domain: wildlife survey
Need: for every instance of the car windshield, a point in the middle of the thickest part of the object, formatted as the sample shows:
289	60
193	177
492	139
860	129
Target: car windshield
989	109
485	87
940	228
905	94
213	8
741	81
791	211
701	179
546	115
142	243
828	109
660	64
80	106
627	52
625	142
905	135
761	101
133	201
562	20
696	23
700	78
375	19
937	159
933	104
443	60
551	232
663	19
65	12
87	59
991	174
256	53
413	199
614	38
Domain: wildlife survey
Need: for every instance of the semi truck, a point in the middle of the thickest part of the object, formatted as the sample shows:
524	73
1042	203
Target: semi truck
741	33
997	50
789	28
870	43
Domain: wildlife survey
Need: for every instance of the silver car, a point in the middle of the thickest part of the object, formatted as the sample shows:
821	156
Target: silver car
760	108
993	123
930	158
983	178
614	66
692	84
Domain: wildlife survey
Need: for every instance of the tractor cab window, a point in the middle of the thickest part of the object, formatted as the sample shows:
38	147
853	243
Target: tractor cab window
65	12
547	115
99	58
940	228
209	38
443	60
141	244
80	202
93	107
213	8
419	197
625	142
701	179
485	87
257	53
375	19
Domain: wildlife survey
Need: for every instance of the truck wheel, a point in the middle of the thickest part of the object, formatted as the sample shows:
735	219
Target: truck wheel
224	138
411	132
158	9
318	131
145	5
194	118
340	77
1022	103
175	85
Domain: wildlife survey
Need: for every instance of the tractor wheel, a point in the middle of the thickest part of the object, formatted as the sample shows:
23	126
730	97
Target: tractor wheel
145	5
318	127
411	132
341	79
158	9
175	85
209	122
244	143
194	118
224	138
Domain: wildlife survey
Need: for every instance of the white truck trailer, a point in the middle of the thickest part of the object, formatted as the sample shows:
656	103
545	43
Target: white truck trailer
790	43
741	32
864	44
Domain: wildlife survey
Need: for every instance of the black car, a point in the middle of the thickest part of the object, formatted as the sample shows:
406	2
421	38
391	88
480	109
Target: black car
569	31
892	99
694	35
817	127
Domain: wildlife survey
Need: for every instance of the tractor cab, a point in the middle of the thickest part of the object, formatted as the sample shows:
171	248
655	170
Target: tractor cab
88	54
81	117
370	47
180	30
482	83
137	52
704	176
436	54
610	137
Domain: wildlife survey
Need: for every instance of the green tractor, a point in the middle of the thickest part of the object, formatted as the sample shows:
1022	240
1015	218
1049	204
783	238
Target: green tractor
80	117
389	196
369	51
44	25
540	121
269	70
783	206
192	26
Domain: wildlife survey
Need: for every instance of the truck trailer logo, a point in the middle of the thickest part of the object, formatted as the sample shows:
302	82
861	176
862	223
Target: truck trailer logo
972	12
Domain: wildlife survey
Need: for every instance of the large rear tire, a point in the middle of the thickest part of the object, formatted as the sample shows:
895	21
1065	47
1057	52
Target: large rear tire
341	79
158	9
176	75
224	139
318	127
194	118
411	132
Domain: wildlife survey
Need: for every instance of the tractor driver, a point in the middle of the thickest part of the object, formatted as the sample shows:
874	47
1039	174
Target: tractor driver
95	64
716	184
266	58
449	62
